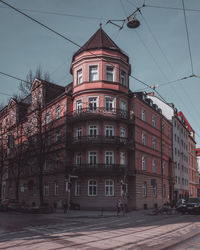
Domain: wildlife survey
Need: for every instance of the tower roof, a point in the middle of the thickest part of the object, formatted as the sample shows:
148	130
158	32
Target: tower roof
100	40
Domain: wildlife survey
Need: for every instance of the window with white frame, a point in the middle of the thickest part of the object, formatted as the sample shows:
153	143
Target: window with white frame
56	188
57	112
78	132
46	189
123	77
123	132
109	104
92	157
92	188
144	138
93	103
110	73
153	121
144	163
123	109
122	158
79	105
154	143
143	114
48	117
77	188
154	166
109	188
109	157
93	131
144	189
78	158
93	73
79	77
109	130
57	135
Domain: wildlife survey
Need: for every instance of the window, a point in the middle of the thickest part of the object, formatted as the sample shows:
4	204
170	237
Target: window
77	188
10	141
123	132
92	188
57	136
46	164
109	131
93	131
48	140
154	143
144	163
109	188
78	133
123	109
144	188
57	112
143	115
55	188
57	161
155	189
0	125
78	158
93	103
144	139
154	166
92	158
48	117
79	76
109	157
164	168
122	158
109	103
123	77
46	189
6	122
93	73
163	127
163	147
79	106
110	73
153	121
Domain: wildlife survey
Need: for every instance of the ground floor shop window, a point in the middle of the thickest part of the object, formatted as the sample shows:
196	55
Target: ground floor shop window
92	188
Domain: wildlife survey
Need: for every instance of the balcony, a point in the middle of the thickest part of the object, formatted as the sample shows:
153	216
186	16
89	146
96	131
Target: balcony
100	170
98	114
101	140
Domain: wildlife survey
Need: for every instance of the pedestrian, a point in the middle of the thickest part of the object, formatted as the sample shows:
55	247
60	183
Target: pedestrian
118	206
65	206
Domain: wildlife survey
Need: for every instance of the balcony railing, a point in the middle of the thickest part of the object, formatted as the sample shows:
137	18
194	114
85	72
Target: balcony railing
101	139
100	112
91	169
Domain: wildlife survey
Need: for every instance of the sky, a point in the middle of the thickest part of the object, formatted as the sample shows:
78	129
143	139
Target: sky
158	49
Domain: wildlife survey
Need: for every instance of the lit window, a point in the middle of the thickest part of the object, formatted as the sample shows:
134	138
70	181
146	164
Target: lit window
92	188
109	103
110	73
144	189
58	112
144	163
154	166
93	73
109	157
109	131
77	188
143	115
79	76
109	188
92	158
123	77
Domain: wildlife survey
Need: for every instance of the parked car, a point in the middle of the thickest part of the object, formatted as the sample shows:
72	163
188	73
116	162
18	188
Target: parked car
181	206
193	206
9	205
74	206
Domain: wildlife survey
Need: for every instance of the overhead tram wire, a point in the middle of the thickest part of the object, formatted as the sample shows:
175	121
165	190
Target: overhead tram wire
188	40
14	77
71	41
170	8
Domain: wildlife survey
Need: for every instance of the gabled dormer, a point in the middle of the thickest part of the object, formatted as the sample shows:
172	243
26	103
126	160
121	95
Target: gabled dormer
100	64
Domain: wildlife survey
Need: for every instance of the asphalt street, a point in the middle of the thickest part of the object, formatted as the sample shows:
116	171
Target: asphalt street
91	230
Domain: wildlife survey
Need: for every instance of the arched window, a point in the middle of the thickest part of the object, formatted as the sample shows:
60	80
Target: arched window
109	188
92	188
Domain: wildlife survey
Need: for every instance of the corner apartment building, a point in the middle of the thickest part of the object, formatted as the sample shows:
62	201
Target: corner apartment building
92	142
